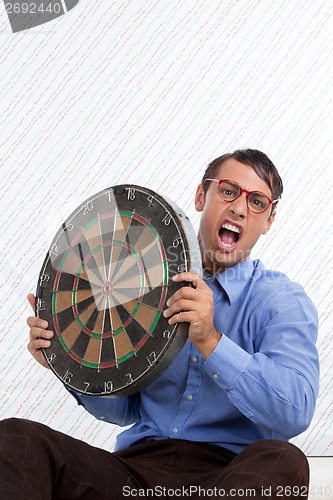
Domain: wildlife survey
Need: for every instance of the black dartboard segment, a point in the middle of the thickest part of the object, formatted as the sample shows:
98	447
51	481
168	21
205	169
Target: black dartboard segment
104	285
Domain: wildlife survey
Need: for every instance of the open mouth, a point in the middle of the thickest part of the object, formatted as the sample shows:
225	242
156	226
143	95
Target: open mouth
228	236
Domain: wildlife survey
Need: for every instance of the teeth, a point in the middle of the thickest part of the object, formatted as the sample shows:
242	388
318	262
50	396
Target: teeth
230	227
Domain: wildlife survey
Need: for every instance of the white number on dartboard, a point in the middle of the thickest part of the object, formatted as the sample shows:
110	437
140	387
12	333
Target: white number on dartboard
108	387
67	377
131	194
167	219
150	200
182	268
167	334
40	305
87	208
54	249
151	358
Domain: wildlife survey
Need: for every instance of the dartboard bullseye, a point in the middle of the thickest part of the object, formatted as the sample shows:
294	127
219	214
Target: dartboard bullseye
103	287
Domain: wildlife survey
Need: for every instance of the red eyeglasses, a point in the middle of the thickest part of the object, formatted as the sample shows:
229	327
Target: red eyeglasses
257	202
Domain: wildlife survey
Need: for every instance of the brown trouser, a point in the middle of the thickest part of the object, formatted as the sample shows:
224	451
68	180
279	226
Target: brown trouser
38	463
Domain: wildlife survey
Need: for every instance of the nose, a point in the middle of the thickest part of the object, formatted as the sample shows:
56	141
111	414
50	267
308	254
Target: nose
239	206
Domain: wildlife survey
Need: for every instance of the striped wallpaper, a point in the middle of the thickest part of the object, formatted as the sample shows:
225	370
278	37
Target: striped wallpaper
148	92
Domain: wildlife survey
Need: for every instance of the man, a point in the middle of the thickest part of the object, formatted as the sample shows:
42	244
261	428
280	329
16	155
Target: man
218	420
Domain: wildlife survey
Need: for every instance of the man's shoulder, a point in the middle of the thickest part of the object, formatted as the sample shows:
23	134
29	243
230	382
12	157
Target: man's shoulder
275	297
267	274
250	282
269	284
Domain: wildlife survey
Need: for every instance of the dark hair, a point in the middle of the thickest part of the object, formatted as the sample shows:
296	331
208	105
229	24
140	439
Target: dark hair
255	159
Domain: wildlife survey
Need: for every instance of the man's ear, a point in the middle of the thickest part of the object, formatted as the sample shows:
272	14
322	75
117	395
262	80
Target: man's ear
199	198
269	222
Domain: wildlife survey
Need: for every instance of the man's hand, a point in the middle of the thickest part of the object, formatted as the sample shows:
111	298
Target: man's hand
39	335
194	305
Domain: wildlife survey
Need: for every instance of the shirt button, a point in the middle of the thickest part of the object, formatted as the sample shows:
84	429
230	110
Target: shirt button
102	418
175	430
190	397
216	375
195	359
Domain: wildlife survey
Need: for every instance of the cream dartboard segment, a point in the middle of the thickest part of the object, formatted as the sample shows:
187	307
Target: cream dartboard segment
104	285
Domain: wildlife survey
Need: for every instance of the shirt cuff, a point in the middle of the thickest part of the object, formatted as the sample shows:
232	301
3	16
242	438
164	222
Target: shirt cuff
226	363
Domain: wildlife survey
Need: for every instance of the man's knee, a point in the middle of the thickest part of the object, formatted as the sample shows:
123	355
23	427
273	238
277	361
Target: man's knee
18	426
18	435
283	449
284	457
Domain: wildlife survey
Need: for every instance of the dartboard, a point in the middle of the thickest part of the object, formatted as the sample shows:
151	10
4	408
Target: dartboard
104	285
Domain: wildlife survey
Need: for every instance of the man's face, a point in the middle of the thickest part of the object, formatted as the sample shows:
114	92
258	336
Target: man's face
228	230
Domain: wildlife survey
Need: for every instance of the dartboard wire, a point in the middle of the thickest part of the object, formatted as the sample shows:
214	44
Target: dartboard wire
76	322
71	296
80	249
127	337
124	240
94	291
173	219
145	273
83	329
78	316
128	228
92	255
80	269
113	264
138	254
112	330
70	248
112	238
104	302
101	343
102	248
86	258
65	232
92	336
133	311
157	241
113	306
92	277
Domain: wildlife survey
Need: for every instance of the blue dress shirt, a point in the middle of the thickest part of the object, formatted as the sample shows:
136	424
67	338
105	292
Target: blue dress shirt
261	381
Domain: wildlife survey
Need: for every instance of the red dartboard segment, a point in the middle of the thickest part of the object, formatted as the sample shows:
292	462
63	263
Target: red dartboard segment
104	285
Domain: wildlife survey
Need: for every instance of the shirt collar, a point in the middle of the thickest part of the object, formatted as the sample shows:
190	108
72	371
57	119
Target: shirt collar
234	279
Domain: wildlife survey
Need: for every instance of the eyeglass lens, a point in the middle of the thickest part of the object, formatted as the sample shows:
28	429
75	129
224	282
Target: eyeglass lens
257	202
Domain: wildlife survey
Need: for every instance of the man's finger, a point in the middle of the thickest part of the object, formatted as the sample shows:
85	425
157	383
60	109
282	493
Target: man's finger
32	301
180	305
181	317
187	276
33	321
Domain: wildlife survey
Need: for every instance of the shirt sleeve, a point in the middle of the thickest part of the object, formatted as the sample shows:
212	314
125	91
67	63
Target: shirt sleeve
276	385
121	411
